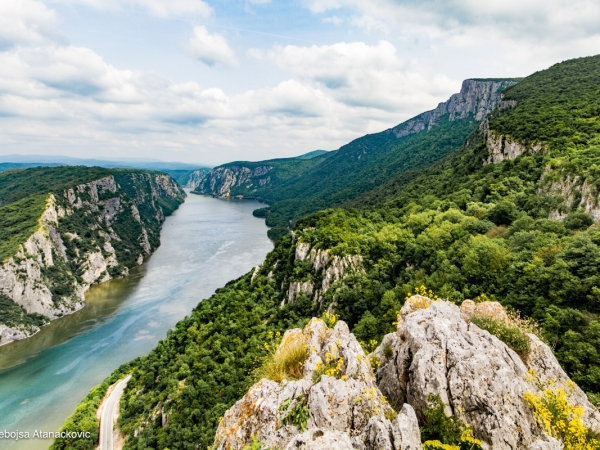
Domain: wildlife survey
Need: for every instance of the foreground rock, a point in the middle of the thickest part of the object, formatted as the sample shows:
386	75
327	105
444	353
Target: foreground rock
437	352
337	396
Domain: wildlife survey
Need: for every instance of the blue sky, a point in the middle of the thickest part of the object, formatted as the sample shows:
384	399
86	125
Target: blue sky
213	81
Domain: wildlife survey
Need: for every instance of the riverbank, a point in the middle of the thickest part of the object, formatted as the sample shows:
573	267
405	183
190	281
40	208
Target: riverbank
206	243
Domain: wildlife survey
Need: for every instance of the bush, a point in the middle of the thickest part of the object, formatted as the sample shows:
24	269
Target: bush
557	417
578	220
443	432
511	335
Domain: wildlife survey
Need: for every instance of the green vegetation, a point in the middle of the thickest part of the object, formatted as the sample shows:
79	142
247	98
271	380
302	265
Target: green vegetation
25	195
13	315
298	415
18	221
511	335
460	227
84	418
19	184
443	432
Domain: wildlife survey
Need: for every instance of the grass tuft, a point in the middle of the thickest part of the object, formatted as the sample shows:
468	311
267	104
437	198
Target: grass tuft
288	360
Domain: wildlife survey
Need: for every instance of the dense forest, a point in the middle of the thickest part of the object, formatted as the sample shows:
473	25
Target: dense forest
463	228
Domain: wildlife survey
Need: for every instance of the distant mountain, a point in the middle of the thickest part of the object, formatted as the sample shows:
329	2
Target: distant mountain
362	165
246	179
127	163
312	154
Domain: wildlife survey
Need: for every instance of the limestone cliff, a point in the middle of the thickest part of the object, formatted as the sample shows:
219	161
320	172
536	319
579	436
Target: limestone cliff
87	234
337	401
476	98
220	181
195	178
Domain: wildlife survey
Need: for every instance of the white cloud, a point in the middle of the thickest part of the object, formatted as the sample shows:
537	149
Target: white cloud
159	8
211	49
360	75
67	99
542	20
24	22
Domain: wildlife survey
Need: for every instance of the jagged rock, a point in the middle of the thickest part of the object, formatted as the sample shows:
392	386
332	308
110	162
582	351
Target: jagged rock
477	97
546	443
493	310
317	439
435	351
345	408
302	250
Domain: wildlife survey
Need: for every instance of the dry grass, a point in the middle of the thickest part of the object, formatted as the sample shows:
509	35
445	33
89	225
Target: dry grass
287	362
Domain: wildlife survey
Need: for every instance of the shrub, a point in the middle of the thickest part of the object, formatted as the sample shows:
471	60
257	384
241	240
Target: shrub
298	415
287	362
557	417
511	335
443	432
578	220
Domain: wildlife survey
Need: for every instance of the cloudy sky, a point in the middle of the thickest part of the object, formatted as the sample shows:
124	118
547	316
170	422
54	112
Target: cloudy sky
209	81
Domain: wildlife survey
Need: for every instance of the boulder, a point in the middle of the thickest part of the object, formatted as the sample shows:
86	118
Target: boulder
435	351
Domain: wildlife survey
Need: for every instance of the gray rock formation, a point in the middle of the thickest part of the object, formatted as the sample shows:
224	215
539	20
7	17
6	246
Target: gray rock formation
22	276
436	351
344	408
332	270
219	182
476	97
195	178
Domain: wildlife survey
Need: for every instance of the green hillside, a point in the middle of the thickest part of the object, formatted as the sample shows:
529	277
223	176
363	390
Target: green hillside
370	161
463	228
254	179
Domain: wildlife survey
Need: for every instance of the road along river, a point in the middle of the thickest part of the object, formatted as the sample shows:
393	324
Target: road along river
206	243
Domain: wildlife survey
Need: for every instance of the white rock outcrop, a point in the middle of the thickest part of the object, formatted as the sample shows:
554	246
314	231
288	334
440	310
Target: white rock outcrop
333	269
23	276
344	408
476	97
435	351
220	181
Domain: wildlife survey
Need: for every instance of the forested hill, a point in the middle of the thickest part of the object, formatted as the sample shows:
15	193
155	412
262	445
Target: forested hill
246	179
509	217
65	228
367	162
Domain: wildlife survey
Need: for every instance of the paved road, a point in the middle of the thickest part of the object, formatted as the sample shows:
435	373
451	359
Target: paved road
110	412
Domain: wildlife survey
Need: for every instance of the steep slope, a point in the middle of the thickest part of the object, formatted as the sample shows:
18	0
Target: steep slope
475	226
64	229
245	179
372	160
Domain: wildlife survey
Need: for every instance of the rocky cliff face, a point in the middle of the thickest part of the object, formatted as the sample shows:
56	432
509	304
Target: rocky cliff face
329	269
90	234
195	178
337	401
476	97
335	404
220	181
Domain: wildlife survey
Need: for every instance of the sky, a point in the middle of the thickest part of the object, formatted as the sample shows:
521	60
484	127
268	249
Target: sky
208	82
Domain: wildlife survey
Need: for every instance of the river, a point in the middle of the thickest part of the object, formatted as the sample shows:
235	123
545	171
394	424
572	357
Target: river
204	244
